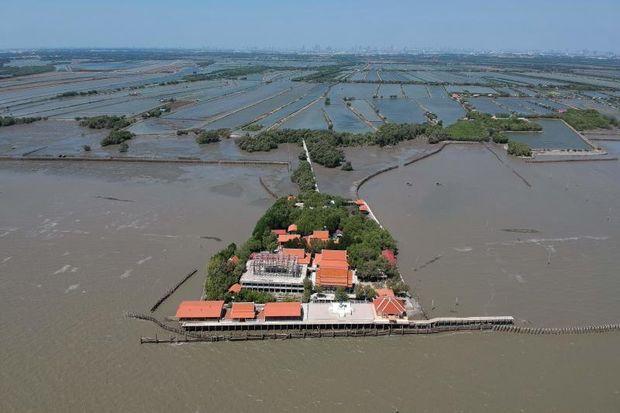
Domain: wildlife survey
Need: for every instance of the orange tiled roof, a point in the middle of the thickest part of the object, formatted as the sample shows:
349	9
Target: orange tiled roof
300	253
242	311
334	277
333	264
364	208
278	231
200	309
287	237
389	306
321	235
334	255
235	288
360	202
283	309
292	228
317	259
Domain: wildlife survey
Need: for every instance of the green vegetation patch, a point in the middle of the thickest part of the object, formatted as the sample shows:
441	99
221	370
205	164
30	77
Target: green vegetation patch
467	130
303	177
212	136
104	122
117	137
588	119
74	93
519	149
10	120
252	127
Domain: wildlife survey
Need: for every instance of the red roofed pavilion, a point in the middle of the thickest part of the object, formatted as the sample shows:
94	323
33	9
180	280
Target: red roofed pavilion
389	306
243	311
200	310
282	311
390	257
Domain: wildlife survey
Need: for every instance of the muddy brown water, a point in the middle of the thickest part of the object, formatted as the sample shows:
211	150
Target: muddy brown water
81	243
545	253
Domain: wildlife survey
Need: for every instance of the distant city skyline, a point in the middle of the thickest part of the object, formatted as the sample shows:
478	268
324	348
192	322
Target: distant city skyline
348	26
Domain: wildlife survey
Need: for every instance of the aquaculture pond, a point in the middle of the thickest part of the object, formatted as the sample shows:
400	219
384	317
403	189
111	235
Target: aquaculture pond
295	106
486	105
555	135
447	110
364	108
344	119
400	110
309	118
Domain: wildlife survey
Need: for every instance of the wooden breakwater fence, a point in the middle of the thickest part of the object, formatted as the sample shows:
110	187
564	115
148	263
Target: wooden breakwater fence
172	290
599	328
127	159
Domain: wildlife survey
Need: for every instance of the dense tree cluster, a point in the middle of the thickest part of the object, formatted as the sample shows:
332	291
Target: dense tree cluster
10	120
157	112
252	127
74	93
500	138
212	136
245	295
364	292
588	119
117	137
519	149
394	133
105	122
303	177
220	274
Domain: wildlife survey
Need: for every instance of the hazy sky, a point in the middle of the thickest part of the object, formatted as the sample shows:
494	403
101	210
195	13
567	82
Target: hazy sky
465	24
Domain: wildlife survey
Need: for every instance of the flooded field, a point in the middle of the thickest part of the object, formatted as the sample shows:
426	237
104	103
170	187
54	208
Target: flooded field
81	245
541	251
555	135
